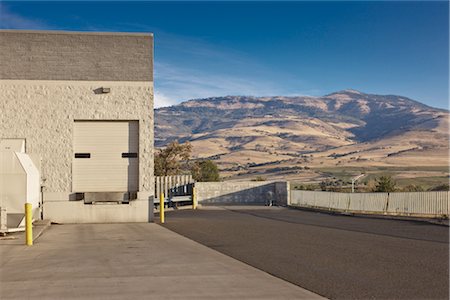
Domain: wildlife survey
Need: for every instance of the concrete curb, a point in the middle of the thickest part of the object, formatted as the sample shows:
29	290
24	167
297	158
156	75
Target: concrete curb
39	227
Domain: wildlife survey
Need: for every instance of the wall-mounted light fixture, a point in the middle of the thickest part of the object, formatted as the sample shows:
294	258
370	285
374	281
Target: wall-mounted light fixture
102	90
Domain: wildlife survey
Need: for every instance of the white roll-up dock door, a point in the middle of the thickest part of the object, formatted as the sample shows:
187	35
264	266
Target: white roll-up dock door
106	156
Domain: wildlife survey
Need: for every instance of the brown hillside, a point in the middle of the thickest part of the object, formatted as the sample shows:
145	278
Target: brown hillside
249	136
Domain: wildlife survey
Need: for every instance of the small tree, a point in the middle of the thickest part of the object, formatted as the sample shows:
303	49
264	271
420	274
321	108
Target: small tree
169	161
205	171
385	184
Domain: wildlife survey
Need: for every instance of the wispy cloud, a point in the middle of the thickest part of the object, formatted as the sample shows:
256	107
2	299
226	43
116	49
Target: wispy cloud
10	20
161	100
188	67
177	84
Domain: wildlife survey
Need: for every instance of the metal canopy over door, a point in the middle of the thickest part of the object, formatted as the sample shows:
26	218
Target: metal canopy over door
105	156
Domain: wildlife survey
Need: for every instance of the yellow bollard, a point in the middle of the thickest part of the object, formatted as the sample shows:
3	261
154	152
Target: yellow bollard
161	208
194	198
28	224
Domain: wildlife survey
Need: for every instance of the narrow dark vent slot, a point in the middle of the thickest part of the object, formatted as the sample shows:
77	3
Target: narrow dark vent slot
129	155
82	155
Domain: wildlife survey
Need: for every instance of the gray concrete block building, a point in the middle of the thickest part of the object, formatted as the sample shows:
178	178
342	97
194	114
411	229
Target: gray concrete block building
83	103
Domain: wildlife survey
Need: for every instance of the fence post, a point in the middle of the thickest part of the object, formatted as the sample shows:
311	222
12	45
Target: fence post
28	224
3	220
166	185
387	204
288	196
194	198
161	208
157	186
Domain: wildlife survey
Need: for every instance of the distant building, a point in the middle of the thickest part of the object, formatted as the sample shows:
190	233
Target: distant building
82	102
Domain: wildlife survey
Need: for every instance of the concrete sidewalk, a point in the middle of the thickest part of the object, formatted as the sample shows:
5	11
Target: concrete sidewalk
130	261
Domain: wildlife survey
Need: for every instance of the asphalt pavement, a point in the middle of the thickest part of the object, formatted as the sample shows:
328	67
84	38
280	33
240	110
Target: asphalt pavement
337	256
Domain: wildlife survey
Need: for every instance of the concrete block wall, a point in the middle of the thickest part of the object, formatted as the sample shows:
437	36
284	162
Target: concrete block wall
43	112
241	193
49	80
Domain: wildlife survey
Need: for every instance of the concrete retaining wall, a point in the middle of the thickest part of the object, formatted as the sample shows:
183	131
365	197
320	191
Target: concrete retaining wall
248	192
419	204
78	212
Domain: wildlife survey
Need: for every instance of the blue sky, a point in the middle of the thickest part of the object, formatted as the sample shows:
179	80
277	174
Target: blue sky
205	49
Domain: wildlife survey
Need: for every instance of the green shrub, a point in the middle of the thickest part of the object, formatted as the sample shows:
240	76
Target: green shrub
205	171
385	184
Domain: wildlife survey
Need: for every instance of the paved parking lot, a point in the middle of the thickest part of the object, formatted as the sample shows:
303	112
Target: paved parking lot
340	257
130	261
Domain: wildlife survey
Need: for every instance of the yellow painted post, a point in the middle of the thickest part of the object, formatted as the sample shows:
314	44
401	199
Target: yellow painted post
28	224
194	198
161	208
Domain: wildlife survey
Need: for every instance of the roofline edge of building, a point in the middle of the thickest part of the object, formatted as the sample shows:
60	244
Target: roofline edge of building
119	33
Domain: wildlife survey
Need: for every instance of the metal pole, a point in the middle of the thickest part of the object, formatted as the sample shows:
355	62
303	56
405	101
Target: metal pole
353	185
161	208
28	224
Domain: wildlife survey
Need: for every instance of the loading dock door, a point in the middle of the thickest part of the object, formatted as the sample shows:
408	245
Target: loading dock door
105	156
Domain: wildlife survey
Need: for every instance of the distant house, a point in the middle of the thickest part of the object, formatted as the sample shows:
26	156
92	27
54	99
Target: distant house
82	102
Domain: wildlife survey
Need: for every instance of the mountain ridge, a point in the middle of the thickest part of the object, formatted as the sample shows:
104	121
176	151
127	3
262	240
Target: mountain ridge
247	129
